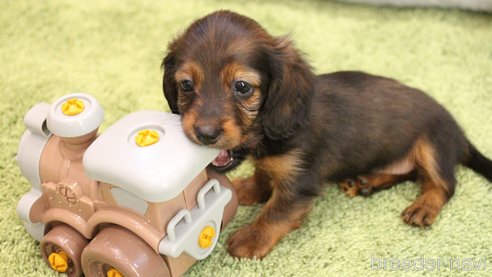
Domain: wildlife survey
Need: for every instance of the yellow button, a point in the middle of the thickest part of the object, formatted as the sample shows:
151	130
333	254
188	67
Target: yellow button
113	273
58	261
73	106
206	237
146	137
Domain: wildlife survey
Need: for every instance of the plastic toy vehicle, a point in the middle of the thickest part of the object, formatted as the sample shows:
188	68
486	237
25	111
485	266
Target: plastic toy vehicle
134	201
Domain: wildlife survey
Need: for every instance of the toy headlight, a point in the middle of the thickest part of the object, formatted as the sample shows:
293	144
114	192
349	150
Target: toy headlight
74	115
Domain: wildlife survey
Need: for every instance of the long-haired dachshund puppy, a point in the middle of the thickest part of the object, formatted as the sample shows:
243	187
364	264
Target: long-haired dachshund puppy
241	90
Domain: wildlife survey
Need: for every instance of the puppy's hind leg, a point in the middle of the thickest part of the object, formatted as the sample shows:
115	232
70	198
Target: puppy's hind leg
366	185
383	178
436	174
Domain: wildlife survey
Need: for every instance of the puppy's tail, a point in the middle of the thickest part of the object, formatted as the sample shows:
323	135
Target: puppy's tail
477	162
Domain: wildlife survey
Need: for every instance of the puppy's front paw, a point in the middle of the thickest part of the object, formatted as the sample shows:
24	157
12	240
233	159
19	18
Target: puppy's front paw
250	242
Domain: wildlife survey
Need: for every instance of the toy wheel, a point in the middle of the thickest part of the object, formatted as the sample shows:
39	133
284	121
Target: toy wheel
118	252
61	249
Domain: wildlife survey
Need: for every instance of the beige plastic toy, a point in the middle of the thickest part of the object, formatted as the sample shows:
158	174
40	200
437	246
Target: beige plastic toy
134	201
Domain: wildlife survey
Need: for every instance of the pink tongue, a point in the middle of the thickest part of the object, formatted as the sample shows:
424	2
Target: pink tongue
222	159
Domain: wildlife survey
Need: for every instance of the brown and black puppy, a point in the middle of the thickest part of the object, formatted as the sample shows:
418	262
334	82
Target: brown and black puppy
241	90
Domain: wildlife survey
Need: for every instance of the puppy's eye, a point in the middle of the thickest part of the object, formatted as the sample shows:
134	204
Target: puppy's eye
186	85
243	88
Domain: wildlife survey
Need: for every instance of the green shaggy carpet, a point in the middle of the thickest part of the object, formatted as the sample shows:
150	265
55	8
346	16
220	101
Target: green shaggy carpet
113	50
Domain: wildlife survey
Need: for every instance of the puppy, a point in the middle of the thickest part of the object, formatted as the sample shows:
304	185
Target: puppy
241	90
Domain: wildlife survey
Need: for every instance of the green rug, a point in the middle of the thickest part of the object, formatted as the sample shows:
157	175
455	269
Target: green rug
113	50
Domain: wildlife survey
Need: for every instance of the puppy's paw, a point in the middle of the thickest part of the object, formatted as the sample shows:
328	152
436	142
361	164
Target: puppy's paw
349	187
420	213
357	186
250	242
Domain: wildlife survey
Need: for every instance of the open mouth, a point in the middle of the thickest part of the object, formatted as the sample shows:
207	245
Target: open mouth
223	159
228	160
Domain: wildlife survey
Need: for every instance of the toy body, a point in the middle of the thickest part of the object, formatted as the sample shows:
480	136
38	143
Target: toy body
137	200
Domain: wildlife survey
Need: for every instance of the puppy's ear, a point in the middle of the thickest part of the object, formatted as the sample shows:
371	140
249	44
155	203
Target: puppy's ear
169	84
288	100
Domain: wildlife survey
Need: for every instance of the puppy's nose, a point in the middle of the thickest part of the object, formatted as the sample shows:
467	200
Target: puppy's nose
208	134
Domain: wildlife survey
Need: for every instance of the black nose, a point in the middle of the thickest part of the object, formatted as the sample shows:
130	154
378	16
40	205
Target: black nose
208	134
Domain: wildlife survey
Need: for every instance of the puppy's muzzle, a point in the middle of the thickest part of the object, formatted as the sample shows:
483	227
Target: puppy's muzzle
208	134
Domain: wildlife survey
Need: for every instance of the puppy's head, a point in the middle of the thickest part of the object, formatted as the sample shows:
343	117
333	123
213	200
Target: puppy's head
235	85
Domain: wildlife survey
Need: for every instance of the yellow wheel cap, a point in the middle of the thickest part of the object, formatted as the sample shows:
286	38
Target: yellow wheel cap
113	272
72	107
146	137
206	237
58	261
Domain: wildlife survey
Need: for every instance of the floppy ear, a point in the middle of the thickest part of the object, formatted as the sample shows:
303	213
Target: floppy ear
169	84
288	100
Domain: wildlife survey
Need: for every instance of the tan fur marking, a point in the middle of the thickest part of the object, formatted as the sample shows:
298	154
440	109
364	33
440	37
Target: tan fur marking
232	133
258	238
423	211
425	158
367	184
283	167
279	228
250	108
248	75
434	194
188	121
236	71
422	156
190	71
427	206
